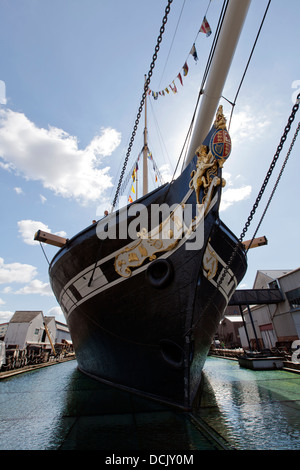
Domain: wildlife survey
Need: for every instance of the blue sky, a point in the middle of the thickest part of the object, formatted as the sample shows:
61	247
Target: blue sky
72	74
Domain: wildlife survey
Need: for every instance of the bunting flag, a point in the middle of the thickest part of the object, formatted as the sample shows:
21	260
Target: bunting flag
193	52
185	69
205	28
174	89
133	174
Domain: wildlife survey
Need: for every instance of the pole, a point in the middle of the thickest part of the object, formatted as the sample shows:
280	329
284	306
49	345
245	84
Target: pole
136	184
233	22
244	323
253	326
145	153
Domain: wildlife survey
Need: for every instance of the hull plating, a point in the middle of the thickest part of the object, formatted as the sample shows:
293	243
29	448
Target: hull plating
149	332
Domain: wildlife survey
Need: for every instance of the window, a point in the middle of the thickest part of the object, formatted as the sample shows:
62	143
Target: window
293	297
36	331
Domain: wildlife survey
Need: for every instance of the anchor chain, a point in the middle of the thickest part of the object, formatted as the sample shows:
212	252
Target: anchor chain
263	187
147	82
276	184
260	194
272	166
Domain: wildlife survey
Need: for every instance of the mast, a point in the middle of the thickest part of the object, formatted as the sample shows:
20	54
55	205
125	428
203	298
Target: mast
145	152
230	32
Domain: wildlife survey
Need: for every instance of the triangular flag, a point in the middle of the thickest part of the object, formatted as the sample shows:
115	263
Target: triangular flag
130	199
132	189
166	89
185	69
193	52
174	89
180	78
205	28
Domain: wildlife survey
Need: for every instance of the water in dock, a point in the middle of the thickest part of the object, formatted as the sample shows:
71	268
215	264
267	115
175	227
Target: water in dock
60	408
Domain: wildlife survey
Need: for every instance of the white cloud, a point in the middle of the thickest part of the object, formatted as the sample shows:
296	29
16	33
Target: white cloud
36	287
56	312
16	272
166	173
19	190
52	156
5	316
28	228
2	92
22	274
248	125
232	195
7	290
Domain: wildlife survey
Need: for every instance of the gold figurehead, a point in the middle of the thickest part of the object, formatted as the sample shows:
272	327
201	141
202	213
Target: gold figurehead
211	157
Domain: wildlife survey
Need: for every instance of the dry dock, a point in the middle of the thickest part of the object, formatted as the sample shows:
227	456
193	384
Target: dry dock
60	408
28	368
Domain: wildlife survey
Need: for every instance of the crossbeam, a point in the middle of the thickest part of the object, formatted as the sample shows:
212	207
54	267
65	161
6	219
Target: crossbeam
50	238
260	241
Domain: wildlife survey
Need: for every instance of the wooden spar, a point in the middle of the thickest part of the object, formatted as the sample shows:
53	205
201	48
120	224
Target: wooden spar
256	242
48	334
145	153
49	337
50	238
229	35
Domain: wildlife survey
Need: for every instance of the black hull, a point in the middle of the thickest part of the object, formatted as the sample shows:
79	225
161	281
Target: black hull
149	332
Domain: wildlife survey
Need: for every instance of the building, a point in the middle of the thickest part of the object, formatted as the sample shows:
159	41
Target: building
59	331
32	328
228	331
228	334
274	325
3	330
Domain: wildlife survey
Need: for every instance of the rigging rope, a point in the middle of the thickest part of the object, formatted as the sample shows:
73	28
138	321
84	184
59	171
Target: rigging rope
272	166
167	59
146	86
246	68
263	187
207	68
260	194
276	184
44	253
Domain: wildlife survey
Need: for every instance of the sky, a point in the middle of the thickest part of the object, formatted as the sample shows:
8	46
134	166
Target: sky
71	80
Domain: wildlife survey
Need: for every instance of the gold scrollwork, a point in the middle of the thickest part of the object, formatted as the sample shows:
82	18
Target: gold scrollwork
210	262
161	239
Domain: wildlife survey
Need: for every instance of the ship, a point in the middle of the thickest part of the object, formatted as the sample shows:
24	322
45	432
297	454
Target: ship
143	289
